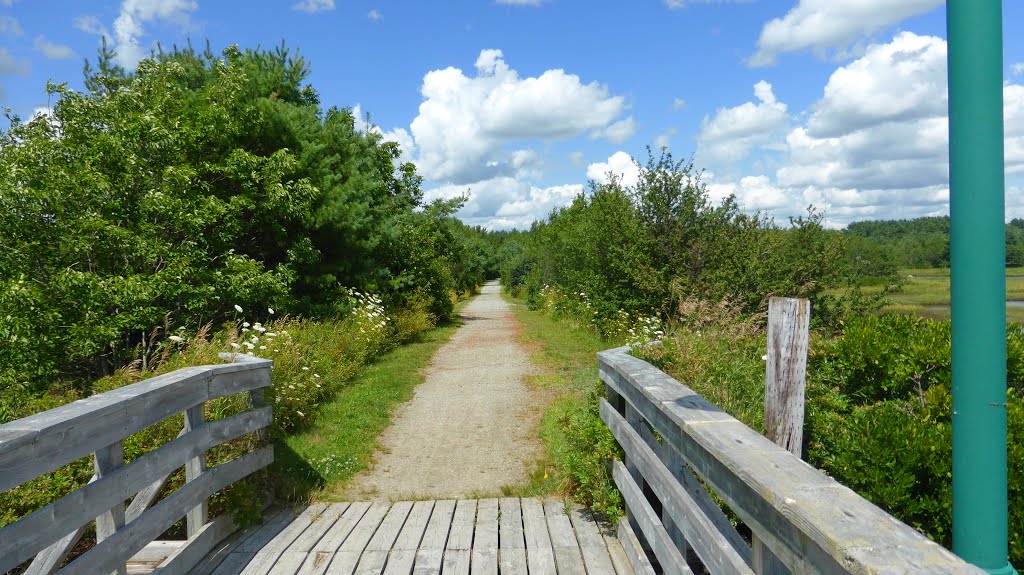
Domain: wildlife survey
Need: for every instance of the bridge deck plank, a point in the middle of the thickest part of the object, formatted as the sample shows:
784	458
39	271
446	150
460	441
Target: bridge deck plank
486	537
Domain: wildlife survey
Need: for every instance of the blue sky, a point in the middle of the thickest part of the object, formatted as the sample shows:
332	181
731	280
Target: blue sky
836	103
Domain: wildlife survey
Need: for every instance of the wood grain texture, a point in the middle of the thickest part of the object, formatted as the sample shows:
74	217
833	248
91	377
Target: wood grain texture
672	562
35	532
540	556
112	551
786	370
465	520
635	553
187	556
510	524
720	553
38	444
786	502
195	418
596	557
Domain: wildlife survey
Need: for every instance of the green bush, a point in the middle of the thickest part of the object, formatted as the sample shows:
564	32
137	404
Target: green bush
882	357
591	448
878	406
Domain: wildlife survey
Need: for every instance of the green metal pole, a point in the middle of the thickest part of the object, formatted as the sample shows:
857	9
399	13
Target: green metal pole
978	276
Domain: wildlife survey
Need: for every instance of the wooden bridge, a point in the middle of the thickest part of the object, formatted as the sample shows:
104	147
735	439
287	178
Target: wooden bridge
679	450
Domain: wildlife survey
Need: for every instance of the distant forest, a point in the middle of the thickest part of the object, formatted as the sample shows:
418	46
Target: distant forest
920	243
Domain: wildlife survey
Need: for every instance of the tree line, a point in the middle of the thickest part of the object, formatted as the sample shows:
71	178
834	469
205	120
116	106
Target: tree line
196	186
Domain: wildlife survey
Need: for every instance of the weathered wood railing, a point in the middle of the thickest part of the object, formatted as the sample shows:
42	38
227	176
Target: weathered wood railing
671	436
42	443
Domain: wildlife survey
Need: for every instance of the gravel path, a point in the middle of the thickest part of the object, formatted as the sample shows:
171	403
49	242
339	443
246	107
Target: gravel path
470	427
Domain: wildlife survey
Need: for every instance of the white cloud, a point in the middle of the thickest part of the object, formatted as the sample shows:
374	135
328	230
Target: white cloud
9	26
504	202
881	122
313	6
876	144
134	14
1013	120
831	24
900	81
664	139
619	164
90	25
678	104
521	2
618	132
734	132
466	123
576	159
375	15
51	50
752	193
11	66
1017	69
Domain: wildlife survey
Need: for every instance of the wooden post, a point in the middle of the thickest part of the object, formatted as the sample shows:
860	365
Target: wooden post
105	461
197	516
786	370
785	375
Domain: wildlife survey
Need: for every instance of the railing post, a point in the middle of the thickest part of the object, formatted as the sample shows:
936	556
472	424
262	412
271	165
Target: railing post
105	461
785	375
195	417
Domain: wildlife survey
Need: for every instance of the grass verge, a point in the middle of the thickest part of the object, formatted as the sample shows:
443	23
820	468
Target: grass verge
577	445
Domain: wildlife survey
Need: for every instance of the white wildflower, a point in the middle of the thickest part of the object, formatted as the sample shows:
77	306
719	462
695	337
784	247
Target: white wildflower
246	324
175	338
316	375
238	308
764	357
270	310
235	345
304	368
263	347
300	413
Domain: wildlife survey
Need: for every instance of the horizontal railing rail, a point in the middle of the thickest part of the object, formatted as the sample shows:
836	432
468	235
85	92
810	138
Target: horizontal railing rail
96	426
674	440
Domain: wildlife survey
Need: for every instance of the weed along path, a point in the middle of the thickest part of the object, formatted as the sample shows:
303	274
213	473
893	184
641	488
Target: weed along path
470	428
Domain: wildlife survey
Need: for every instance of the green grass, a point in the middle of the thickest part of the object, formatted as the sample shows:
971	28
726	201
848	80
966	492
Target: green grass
926	293
567	356
317	463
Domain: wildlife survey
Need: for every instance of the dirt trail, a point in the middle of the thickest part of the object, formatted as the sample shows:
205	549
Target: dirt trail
470	427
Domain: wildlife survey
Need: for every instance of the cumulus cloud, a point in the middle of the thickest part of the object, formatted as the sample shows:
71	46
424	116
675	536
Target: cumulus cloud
466	124
375	15
678	104
876	144
881	122
129	26
504	202
821	25
734	132
313	6
752	193
618	132
51	50
620	164
1017	69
